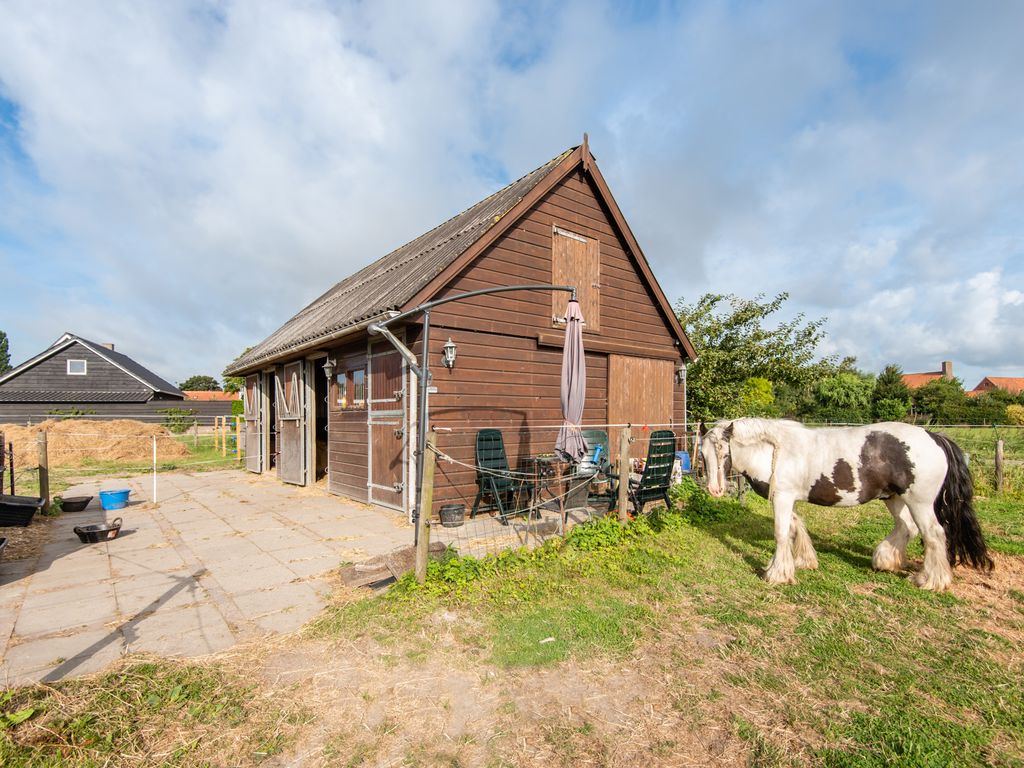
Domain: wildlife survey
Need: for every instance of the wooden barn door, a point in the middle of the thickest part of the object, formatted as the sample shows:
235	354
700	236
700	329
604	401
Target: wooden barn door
640	392
291	429
386	407
252	400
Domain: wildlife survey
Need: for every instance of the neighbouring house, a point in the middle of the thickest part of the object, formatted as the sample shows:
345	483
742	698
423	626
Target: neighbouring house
916	380
78	377
1013	385
558	224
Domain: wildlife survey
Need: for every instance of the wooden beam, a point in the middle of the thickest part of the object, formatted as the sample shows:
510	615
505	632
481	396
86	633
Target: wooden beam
557	339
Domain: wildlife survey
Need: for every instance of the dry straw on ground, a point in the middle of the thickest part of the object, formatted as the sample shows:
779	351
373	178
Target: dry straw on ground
74	443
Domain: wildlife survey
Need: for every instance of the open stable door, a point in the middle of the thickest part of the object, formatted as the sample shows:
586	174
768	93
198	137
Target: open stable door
252	401
291	429
386	410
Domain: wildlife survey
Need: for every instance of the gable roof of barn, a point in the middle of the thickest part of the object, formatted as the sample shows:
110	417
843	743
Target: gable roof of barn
412	273
139	372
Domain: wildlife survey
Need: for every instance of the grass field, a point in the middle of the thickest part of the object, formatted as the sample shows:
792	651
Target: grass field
653	644
203	455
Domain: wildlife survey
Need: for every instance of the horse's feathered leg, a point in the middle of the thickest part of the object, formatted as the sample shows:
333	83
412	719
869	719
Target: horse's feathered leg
804	555
936	573
782	570
891	552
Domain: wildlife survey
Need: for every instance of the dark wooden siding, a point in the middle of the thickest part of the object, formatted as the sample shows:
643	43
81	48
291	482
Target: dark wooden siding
347	439
51	374
503	376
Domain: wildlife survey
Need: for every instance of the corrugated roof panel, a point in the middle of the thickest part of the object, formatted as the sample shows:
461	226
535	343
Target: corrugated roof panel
393	280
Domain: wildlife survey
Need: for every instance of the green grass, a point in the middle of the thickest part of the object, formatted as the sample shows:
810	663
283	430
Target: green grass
203	456
884	673
188	714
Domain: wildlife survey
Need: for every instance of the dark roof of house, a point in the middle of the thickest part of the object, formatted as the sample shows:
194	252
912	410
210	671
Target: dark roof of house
145	376
70	396
393	280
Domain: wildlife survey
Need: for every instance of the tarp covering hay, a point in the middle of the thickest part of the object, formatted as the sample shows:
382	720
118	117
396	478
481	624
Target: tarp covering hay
73	443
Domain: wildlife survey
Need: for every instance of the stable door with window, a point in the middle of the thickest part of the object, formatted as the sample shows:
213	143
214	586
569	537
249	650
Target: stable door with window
386	421
252	402
291	432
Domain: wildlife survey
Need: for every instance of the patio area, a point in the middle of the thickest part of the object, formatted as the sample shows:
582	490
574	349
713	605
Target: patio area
222	557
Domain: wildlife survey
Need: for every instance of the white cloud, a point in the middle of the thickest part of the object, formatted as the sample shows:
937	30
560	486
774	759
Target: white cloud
194	173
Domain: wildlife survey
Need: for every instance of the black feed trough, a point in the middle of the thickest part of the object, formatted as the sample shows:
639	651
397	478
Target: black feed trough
18	510
74	503
91	534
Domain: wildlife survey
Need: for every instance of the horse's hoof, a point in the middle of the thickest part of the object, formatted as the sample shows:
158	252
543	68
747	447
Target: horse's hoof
887	558
775	577
933	582
810	564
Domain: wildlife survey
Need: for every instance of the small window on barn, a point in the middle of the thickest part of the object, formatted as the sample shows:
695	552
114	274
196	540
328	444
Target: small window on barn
576	260
358	387
351	389
76	367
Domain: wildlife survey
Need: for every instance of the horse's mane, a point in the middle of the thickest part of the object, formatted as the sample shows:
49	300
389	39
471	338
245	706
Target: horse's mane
749	430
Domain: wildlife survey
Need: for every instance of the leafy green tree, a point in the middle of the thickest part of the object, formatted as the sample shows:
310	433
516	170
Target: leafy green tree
757	398
891	399
233	384
200	383
5	354
942	401
734	345
844	397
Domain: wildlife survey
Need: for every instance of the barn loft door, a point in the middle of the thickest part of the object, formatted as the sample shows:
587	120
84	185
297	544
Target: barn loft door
291	429
576	260
252	400
639	392
387	425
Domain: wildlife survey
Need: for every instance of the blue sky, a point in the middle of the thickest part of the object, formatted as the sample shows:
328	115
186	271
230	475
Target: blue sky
181	177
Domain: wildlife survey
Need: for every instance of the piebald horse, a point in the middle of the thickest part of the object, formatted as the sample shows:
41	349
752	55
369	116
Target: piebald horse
921	476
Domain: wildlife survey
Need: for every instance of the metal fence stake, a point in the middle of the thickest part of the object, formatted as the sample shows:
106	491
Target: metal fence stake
154	469
44	470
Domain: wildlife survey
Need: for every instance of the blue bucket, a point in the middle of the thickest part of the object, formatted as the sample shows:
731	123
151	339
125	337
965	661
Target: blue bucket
114	499
684	460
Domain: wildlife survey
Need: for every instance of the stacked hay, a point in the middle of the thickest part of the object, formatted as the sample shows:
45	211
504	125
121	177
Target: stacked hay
77	443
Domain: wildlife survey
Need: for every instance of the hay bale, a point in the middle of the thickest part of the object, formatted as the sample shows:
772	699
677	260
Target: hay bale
77	443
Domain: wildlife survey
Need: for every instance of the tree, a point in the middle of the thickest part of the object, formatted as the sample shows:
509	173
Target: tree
5	354
200	383
757	398
733	346
844	397
943	401
891	399
233	384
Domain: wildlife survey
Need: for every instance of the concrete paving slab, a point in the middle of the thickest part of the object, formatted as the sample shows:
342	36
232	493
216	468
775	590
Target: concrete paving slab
222	557
71	654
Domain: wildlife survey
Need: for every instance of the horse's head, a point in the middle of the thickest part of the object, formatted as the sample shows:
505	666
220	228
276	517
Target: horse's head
714	450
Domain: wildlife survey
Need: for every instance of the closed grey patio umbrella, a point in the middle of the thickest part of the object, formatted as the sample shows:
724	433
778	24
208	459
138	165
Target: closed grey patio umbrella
574	386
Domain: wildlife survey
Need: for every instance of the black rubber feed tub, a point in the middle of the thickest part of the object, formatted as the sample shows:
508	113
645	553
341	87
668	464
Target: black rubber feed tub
91	534
74	503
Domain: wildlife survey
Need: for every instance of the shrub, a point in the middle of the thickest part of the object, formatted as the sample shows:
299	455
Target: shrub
890	410
178	420
1015	414
237	408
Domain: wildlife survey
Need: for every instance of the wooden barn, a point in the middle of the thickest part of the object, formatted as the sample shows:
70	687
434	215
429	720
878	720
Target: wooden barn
325	398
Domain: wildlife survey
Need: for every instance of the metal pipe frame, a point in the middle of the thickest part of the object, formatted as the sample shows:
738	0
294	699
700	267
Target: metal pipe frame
422	370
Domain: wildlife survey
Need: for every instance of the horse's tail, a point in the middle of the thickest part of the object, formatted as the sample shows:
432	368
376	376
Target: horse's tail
955	510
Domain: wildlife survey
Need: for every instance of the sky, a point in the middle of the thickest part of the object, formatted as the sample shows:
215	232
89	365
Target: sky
180	178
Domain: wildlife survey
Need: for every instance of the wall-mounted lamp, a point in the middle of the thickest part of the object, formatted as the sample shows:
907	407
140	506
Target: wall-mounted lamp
329	368
681	374
449	350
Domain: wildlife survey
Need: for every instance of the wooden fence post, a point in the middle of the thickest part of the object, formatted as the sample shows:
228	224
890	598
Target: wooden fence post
426	508
238	438
224	436
999	466
624	468
44	471
195	433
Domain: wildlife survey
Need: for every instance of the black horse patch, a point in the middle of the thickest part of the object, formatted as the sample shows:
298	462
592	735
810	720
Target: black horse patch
885	467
